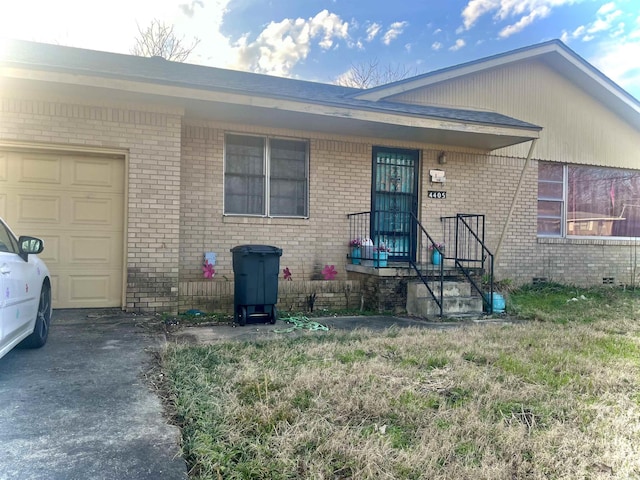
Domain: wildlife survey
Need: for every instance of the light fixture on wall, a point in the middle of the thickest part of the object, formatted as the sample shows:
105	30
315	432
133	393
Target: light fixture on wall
442	158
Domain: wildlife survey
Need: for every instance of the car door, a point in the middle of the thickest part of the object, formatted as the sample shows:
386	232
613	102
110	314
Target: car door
19	291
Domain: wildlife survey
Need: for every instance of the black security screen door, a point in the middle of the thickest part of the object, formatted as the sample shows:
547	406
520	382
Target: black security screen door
394	199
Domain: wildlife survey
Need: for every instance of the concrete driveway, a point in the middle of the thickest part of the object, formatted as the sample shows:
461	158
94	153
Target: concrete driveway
79	408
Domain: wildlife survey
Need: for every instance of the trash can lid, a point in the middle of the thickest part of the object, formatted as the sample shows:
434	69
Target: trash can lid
261	249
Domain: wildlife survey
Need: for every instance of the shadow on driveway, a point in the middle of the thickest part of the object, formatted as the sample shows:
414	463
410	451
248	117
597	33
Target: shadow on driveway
79	407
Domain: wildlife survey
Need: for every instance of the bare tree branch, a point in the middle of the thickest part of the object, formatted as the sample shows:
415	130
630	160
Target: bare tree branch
370	74
159	40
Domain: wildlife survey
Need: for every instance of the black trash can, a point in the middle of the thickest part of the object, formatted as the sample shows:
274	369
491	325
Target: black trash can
256	269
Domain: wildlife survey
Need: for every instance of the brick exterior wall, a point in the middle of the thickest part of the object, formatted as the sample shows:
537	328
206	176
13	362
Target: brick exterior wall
175	205
293	296
151	141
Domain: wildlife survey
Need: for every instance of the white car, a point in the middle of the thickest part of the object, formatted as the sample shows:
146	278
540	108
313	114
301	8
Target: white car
25	292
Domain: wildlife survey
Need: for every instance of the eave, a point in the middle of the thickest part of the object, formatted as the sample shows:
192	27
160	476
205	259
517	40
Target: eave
279	112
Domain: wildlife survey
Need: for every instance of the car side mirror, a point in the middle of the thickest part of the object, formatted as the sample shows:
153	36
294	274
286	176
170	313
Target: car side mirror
29	245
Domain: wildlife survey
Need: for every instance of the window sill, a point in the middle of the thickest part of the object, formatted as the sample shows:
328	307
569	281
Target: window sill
286	221
586	241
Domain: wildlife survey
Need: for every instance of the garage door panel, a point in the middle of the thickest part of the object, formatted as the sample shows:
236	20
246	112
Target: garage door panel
92	290
51	252
89	287
40	169
4	167
96	173
38	209
89	249
91	211
79	214
55	289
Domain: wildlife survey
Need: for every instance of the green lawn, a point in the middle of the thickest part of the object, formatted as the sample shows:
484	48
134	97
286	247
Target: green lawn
557	397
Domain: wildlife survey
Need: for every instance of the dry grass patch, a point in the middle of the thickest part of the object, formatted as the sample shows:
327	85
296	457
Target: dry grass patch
497	402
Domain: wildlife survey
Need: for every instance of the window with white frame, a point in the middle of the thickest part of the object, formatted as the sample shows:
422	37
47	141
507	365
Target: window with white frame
580	200
266	176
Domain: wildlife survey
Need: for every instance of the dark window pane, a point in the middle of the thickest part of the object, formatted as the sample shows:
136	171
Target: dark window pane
549	226
288	178
550	191
550	171
288	197
244	175
244	195
550	198
549	209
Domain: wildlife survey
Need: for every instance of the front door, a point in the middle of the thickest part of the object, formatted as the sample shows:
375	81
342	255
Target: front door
394	200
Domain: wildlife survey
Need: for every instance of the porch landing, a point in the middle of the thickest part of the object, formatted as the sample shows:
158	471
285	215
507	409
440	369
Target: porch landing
397	288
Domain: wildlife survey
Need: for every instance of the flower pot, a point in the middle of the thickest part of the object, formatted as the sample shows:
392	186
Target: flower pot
380	259
356	255
436	257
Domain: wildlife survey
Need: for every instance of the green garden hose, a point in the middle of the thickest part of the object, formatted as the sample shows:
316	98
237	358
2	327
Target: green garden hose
301	322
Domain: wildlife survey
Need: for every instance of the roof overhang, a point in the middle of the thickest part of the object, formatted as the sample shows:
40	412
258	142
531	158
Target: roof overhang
235	107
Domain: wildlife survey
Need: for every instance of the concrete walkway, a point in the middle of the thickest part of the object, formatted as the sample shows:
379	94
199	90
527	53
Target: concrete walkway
262	331
80	408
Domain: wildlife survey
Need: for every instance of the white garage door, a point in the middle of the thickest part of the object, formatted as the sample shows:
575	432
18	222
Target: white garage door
75	203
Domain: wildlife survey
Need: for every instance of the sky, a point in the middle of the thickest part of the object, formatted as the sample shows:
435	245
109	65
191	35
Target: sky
320	40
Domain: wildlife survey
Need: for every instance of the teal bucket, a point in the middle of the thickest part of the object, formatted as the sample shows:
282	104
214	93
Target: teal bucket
498	302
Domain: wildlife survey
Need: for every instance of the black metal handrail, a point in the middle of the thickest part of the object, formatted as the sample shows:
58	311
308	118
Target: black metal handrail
426	270
381	231
466	233
463	237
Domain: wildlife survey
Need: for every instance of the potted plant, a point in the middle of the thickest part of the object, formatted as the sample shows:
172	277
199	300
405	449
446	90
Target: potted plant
380	255
437	252
356	254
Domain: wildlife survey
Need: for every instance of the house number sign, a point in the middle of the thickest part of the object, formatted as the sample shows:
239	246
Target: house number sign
436	194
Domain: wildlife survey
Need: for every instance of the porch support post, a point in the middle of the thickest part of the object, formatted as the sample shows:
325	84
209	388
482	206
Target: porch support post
515	197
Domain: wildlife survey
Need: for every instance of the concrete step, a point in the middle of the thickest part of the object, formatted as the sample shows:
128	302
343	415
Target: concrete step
457	299
450	289
427	307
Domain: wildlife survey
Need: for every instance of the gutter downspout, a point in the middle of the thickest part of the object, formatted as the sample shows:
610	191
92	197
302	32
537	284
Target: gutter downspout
515	197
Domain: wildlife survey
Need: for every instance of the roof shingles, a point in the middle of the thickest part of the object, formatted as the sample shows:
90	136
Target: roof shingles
158	70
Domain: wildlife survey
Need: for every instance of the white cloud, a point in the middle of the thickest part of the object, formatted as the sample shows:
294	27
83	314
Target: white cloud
373	30
606	22
476	9
58	22
620	30
189	9
606	8
276	49
458	45
525	21
436	46
109	26
618	60
394	31
437	31
579	31
281	45
524	11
